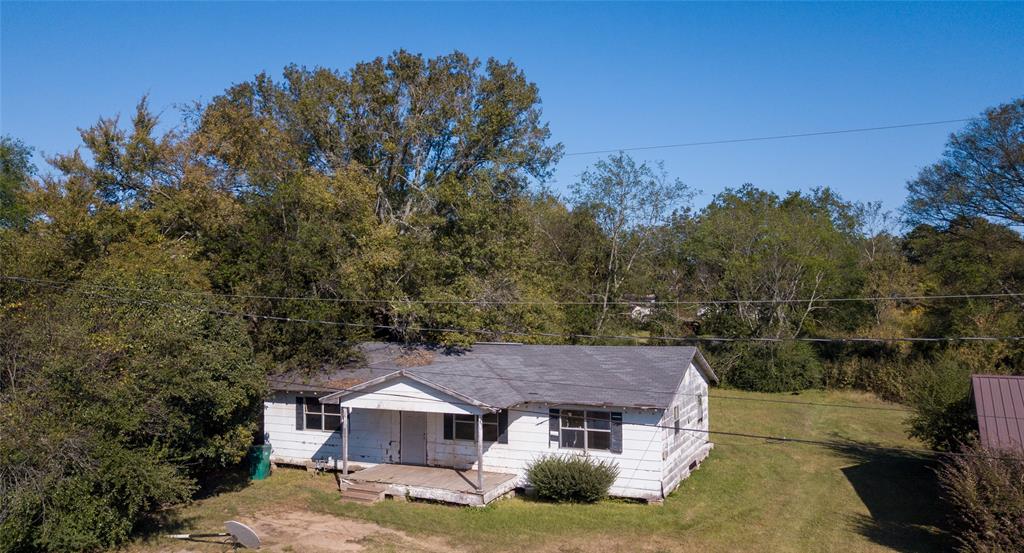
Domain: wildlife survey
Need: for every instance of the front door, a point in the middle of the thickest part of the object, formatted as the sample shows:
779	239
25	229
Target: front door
414	438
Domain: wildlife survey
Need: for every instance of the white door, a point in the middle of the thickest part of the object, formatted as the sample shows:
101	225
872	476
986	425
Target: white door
414	438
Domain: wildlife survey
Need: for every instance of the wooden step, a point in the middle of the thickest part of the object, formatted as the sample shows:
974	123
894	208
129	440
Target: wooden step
363	492
359	500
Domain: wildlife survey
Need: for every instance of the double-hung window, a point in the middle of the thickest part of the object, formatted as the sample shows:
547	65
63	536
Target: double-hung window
678	425
322	416
700	408
585	429
463	427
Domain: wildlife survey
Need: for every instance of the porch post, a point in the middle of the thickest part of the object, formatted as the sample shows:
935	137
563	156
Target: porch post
344	440
480	453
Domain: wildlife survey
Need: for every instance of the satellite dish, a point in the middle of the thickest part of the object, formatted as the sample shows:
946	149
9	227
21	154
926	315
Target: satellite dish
243	534
239	534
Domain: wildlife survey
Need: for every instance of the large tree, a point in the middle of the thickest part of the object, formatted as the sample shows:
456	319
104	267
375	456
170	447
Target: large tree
771	258
411	122
981	173
444	147
629	202
123	391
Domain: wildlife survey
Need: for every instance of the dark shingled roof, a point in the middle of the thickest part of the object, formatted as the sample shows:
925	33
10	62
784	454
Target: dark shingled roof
503	375
999	401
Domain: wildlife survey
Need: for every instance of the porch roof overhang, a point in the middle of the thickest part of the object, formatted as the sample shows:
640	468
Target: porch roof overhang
377	391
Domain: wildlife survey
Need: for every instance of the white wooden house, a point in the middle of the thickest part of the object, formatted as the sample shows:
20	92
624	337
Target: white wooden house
401	414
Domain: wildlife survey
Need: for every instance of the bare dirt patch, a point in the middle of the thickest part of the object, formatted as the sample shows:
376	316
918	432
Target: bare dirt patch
309	532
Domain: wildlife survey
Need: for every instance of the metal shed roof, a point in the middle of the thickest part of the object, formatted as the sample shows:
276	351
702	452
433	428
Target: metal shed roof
503	375
999	401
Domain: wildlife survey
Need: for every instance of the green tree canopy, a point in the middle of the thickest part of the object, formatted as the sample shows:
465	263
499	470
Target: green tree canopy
981	173
15	171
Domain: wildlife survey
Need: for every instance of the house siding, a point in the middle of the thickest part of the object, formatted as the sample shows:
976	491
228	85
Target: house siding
682	449
640	466
374	437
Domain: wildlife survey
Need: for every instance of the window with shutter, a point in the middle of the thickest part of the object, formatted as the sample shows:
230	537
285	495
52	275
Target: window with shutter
325	417
579	429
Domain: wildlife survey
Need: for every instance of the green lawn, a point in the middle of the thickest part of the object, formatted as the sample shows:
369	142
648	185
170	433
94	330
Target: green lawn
750	495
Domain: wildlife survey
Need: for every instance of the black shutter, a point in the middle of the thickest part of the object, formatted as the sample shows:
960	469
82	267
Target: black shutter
616	440
449	422
300	414
503	426
553	426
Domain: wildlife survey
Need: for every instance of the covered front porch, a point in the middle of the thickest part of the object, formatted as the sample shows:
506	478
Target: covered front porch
431	464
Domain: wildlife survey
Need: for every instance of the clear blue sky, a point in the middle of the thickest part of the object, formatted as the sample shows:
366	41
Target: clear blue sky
611	75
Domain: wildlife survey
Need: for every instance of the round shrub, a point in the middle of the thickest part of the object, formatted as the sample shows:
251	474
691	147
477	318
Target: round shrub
572	478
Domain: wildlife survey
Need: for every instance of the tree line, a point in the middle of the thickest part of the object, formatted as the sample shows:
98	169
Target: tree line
407	198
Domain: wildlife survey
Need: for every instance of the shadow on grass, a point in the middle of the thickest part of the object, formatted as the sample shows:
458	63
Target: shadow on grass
231	479
902	495
171	520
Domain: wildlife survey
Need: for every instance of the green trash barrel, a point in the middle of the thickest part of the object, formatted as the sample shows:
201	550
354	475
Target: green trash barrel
259	462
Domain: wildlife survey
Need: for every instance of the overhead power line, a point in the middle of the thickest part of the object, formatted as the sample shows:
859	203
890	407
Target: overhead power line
771	137
550	335
522	302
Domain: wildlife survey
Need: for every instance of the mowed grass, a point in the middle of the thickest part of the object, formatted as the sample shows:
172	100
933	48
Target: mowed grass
749	495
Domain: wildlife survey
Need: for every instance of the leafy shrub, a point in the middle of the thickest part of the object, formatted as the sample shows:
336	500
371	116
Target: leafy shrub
940	395
572	478
986	489
887	376
782	367
76	490
118	408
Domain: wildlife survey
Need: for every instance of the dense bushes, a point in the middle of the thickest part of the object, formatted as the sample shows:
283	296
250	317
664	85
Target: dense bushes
86	495
574	478
110	410
784	367
940	395
986	489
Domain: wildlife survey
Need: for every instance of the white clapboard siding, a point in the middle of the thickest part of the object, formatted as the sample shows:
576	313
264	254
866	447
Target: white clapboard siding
640	465
686	447
373	439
